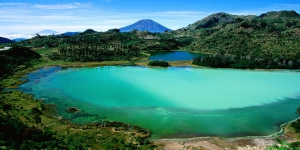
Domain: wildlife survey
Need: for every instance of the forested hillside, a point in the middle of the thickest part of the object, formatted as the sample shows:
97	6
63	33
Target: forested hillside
270	40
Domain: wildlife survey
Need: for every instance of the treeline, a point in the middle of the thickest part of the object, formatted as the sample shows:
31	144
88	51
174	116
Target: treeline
16	58
245	62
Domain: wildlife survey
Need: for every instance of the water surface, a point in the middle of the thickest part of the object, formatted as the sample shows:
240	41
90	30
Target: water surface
172	55
175	102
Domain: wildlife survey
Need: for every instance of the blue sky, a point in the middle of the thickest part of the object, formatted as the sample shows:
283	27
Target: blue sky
19	17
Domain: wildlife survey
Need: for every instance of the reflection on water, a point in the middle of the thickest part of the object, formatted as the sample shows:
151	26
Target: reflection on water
172	55
175	102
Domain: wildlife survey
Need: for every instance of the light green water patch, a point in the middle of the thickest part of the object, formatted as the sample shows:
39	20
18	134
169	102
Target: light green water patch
176	102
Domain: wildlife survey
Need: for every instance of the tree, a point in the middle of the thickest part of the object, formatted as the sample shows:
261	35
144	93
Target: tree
35	114
298	111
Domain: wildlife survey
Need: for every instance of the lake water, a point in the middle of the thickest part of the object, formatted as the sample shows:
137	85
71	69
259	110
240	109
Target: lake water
172	55
174	102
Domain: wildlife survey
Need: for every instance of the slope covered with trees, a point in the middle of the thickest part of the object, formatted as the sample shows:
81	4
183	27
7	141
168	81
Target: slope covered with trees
270	40
16	58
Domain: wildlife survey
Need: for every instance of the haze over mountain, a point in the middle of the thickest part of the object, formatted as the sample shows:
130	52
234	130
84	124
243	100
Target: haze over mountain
70	33
47	32
19	39
145	25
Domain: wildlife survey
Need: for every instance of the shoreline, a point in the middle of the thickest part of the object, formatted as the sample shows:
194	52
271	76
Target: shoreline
175	64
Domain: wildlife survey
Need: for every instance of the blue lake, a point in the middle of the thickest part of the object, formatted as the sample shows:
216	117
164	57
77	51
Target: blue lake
172	55
174	102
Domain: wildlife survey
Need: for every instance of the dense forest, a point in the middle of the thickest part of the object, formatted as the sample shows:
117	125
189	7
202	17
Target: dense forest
16	58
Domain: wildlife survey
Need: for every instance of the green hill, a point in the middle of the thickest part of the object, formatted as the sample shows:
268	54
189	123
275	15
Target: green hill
270	40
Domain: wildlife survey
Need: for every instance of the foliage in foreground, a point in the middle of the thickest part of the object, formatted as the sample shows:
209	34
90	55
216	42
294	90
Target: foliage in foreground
284	145
26	123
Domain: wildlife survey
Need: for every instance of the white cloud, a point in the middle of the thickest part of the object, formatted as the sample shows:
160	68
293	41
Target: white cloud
62	6
12	4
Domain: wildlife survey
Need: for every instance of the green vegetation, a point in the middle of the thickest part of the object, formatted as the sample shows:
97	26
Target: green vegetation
15	59
101	46
270	40
158	63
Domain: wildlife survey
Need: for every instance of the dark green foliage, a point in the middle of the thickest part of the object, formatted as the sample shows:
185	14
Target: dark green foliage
298	111
214	61
16	135
114	30
159	63
296	125
15	57
88	31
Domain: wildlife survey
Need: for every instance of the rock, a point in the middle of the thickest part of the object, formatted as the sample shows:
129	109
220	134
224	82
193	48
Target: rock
72	110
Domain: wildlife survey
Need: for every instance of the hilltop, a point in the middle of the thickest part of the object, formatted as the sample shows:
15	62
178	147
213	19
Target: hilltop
145	25
217	19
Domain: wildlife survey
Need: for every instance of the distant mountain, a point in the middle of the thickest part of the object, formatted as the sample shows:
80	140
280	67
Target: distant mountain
47	32
5	40
145	25
19	39
70	33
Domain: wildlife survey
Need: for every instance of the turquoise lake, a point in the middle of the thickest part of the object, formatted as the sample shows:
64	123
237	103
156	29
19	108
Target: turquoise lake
172	55
174	102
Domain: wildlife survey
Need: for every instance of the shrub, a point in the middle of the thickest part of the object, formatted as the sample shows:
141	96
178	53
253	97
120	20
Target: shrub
158	63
